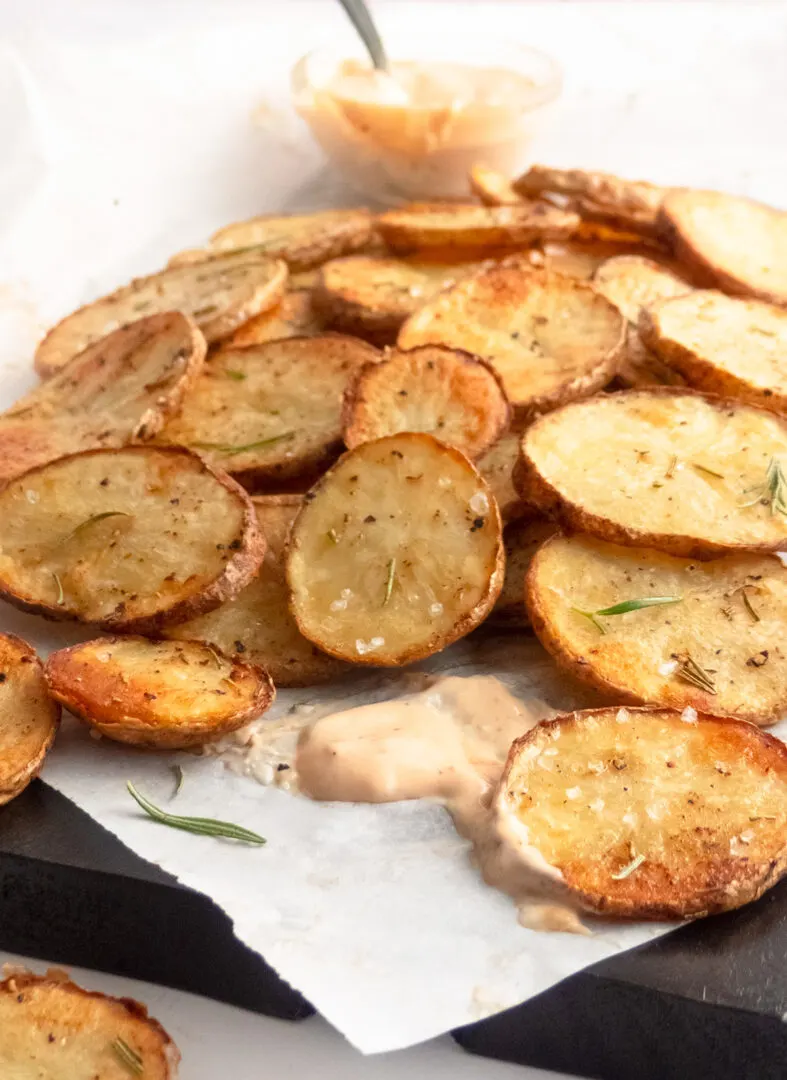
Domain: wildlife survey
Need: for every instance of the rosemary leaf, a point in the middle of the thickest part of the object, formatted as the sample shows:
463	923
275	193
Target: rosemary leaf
92	521
224	448
238	376
177	772
60	597
635	605
691	672
197	825
592	616
705	469
749	606
127	1056
209	309
629	868
772	493
215	654
389	584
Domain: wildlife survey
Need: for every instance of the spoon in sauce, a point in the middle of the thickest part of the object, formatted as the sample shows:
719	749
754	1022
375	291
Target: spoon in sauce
362	20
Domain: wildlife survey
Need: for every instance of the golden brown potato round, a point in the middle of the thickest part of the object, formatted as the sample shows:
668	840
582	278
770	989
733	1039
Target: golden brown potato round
52	1029
522	540
129	539
550	338
164	695
718	647
688	474
271	412
651	813
302	240
372	296
723	345
497	468
396	553
633	282
294	316
219	295
257	625
733	243
445	392
120	390
580	258
480	228
28	717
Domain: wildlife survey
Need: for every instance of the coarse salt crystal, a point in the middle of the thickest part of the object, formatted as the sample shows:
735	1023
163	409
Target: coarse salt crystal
338	605
622	716
479	503
573	792
596	806
32	496
362	647
630	820
436	609
689	715
669	667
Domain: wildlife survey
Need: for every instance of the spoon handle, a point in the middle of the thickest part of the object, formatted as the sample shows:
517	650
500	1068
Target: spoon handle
362	21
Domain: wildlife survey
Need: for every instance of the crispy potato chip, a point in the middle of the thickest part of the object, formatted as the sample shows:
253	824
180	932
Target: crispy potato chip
372	296
497	468
550	338
302	240
52	1029
130	539
29	718
651	813
579	258
716	647
493	188
672	469
119	390
219	295
522	540
723	345
294	316
257	624
632	282
733	243
396	553
164	695
271	412
445	392
454	225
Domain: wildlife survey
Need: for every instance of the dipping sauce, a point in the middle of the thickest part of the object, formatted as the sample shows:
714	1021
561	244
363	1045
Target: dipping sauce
415	130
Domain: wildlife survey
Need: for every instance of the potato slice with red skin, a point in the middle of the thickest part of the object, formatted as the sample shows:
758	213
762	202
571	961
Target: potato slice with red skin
29	718
445	392
53	1028
651	813
219	295
132	539
122	389
396	553
163	695
479	228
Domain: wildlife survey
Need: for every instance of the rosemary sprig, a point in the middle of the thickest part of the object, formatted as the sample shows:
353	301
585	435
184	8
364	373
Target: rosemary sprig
60	597
629	868
200	826
177	772
389	584
238	376
691	672
625	606
224	448
127	1056
773	492
92	521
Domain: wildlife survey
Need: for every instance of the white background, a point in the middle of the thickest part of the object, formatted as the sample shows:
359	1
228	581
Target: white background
682	92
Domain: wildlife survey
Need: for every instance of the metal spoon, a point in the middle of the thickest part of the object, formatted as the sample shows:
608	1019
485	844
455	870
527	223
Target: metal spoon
367	31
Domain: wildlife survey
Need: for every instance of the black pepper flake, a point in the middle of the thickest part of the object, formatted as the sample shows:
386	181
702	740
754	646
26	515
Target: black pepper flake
104	482
174	502
394	453
369	519
235	545
758	659
50	1037
478	523
3	676
148	696
239	646
309	496
282	766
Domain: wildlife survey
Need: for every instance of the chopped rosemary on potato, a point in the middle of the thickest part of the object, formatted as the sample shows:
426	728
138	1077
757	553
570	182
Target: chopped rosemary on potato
197	825
704	469
691	672
127	1056
389	584
629	868
224	448
92	521
625	606
773	492
238	376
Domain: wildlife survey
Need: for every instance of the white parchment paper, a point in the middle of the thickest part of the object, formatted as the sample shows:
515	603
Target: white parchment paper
131	129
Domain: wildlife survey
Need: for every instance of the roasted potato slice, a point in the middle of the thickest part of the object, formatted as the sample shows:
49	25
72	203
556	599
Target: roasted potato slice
480	228
445	392
497	468
396	553
723	345
640	368
713	639
550	338
651	813
372	296
219	295
52	1029
271	412
302	240
493	188
257	624
522	540
580	258
294	316
164	695
130	539
119	390
672	469
733	243
28	719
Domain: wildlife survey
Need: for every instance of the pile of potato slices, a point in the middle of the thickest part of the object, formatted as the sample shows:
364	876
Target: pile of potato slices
339	439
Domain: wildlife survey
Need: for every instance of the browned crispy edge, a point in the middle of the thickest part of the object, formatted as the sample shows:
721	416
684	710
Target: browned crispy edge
16	784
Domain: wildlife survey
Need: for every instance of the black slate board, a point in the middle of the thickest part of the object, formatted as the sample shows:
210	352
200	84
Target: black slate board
706	1002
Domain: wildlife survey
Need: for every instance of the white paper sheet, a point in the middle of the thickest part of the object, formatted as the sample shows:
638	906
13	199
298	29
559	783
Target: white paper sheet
134	128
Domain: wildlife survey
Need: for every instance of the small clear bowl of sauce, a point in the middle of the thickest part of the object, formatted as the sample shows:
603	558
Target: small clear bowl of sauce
414	131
